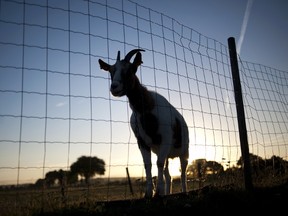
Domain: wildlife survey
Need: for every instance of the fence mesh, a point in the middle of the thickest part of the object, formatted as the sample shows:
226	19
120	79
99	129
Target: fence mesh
56	105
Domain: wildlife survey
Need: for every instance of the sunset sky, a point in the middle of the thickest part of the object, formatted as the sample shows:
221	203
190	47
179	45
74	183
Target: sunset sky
55	104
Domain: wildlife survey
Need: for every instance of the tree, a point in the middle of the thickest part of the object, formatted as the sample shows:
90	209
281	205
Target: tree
70	177
213	167
40	183
275	165
51	177
63	177
200	168
87	167
197	168
257	163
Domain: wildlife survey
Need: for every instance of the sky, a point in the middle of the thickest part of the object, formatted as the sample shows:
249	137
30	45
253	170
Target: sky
55	100
265	26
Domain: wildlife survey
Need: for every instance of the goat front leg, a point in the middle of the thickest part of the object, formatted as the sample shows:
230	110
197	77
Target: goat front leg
168	179
146	154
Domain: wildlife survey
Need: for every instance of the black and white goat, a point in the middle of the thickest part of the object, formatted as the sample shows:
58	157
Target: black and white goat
157	125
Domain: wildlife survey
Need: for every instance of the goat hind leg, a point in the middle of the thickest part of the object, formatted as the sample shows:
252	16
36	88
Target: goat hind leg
160	181
184	163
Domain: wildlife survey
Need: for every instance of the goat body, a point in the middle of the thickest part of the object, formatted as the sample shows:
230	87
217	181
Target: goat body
157	125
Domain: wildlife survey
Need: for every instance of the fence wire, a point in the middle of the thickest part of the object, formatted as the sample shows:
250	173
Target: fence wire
55	100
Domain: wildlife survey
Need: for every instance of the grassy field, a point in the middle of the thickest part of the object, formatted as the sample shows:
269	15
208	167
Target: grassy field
117	199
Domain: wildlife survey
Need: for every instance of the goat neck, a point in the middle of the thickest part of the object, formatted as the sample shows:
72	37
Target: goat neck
140	98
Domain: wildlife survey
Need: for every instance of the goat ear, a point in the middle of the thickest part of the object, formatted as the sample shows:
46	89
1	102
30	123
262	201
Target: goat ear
104	65
138	59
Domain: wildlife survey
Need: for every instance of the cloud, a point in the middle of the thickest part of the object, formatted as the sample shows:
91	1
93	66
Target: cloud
244	24
60	104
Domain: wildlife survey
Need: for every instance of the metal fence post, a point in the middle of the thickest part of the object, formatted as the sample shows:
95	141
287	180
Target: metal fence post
240	114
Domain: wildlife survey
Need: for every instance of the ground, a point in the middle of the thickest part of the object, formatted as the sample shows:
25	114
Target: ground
209	199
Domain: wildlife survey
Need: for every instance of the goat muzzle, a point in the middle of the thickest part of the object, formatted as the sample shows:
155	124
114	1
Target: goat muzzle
116	89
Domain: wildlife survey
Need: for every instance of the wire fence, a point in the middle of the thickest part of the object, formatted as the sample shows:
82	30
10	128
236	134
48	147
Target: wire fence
56	105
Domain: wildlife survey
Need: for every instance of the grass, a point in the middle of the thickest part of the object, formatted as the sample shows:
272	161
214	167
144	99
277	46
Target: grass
117	200
209	199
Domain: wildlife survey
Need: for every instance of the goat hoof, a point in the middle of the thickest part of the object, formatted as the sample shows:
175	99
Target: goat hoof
148	195
158	195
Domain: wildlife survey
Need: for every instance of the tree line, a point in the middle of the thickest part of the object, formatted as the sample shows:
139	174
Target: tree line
263	170
86	167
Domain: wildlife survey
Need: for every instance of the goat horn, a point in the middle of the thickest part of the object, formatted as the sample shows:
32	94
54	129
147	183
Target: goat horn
118	56
131	53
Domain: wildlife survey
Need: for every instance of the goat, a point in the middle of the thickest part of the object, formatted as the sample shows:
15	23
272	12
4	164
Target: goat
157	125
